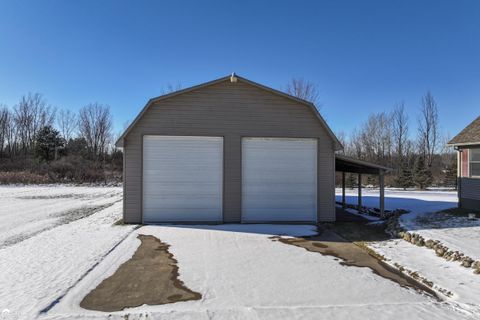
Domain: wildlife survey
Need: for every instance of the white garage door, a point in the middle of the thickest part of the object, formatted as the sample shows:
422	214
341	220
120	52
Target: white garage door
279	179
182	178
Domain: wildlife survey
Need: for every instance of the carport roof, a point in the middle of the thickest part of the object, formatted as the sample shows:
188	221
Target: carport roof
347	164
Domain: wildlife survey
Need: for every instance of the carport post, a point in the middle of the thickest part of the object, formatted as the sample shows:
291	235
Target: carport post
381	178
359	192
344	203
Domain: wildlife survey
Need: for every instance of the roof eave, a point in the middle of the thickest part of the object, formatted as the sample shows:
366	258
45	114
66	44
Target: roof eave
363	163
459	144
337	144
119	142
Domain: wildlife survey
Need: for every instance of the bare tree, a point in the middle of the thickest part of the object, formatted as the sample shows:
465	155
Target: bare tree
356	148
11	136
375	138
400	131
343	140
95	126
303	89
67	123
32	114
169	88
4	124
428	128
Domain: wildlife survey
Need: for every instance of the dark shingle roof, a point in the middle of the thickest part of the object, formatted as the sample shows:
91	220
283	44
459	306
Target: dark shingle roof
469	135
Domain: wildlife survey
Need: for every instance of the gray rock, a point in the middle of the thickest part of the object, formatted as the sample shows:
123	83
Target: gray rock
420	243
466	263
440	252
429	243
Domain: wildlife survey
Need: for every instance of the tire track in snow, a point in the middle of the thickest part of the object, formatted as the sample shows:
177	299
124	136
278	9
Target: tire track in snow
64	217
59	298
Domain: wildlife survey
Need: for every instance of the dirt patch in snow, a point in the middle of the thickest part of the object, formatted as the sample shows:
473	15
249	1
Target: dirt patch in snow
330	244
149	277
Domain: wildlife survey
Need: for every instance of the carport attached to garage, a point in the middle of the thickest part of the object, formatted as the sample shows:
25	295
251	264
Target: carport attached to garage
345	164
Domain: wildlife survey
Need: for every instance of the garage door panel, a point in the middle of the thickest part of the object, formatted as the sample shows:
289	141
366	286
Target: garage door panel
303	199
279	179
274	202
281	214
173	214
293	178
264	190
153	176
166	202
182	178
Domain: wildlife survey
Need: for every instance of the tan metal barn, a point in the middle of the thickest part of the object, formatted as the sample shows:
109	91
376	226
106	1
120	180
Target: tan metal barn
229	151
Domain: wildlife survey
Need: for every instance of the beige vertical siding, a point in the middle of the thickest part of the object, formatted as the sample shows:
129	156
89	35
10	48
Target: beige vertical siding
231	110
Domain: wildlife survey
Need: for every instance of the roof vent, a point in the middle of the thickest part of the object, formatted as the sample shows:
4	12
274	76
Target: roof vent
233	78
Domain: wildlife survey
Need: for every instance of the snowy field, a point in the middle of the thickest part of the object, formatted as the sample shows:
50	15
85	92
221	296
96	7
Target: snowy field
414	201
27	211
59	242
42	254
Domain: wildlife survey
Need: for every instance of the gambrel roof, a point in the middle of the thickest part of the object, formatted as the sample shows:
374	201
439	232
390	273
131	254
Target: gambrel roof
338	145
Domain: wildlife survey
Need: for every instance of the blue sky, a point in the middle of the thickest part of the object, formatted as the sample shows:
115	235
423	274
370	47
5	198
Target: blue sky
364	55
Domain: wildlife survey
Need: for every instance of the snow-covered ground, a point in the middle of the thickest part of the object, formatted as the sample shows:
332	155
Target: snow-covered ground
26	211
41	266
414	201
242	274
63	249
457	233
462	282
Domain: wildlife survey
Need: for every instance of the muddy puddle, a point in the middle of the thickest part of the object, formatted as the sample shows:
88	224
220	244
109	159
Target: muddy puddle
349	254
149	277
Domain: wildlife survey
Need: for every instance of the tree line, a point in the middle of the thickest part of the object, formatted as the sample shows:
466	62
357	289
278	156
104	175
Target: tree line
40	143
385	138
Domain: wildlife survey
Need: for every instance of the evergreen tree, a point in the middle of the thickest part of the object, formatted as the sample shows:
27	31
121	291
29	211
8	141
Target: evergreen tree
422	175
450	175
47	143
351	181
405	177
77	147
371	180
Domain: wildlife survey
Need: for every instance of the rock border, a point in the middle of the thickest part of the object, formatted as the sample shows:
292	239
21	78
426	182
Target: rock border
425	281
413	274
394	229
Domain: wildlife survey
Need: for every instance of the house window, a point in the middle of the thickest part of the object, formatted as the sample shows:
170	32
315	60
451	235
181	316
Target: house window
475	163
